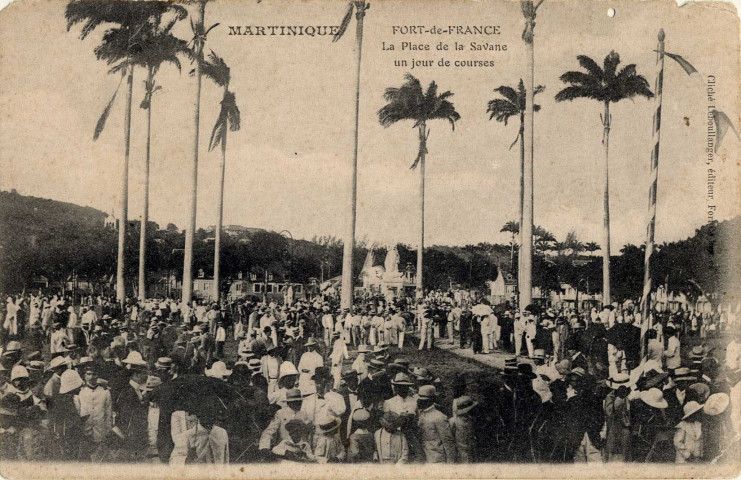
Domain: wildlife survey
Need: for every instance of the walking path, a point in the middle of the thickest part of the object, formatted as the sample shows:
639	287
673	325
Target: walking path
494	359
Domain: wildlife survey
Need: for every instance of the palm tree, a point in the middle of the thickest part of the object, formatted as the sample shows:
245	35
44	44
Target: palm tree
591	247
513	228
572	243
501	109
119	45
229	119
159	46
410	102
606	85
525	281
559	247
199	40
360	7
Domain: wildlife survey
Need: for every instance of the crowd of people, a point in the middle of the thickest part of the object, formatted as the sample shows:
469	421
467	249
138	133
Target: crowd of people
252	381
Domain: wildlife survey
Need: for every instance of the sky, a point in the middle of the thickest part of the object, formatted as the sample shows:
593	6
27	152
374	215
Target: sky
289	165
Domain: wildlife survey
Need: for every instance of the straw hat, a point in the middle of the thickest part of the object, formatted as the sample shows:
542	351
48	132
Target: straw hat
538	354
380	348
328	424
287	368
310	343
654	397
134	359
427	392
56	362
218	370
360	416
36	365
18	371
71	380
691	408
717	403
465	404
683	374
363	349
618	380
402	378
294	395
421	373
163	363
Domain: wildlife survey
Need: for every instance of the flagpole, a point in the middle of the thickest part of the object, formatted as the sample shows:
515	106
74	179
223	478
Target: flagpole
654	175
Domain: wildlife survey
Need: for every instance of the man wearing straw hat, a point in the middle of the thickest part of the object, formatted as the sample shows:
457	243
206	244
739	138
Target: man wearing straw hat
131	406
438	443
401	403
309	362
276	431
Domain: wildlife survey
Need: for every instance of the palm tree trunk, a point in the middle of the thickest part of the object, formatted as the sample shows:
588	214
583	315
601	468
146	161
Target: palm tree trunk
123	220
145	214
422	152
346	299
526	227
220	219
191	229
522	190
606	299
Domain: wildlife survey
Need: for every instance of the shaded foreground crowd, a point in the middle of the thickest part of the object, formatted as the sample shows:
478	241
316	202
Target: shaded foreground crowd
312	383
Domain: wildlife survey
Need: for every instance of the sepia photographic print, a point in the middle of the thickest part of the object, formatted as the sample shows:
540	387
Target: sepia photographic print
387	239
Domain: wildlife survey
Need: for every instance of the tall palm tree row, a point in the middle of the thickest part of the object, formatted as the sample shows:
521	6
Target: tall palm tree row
607	85
219	72
359	7
159	46
120	45
411	102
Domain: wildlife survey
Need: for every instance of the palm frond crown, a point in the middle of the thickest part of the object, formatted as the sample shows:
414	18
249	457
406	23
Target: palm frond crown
605	84
410	102
513	103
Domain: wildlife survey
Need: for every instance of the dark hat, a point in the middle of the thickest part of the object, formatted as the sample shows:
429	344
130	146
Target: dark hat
321	373
510	365
296	426
294	395
525	370
391	420
653	378
376	364
10	404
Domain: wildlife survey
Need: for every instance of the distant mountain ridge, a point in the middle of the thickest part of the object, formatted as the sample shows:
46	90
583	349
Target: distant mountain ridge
31	214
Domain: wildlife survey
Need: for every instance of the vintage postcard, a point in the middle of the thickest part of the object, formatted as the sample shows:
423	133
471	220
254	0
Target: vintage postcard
370	239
